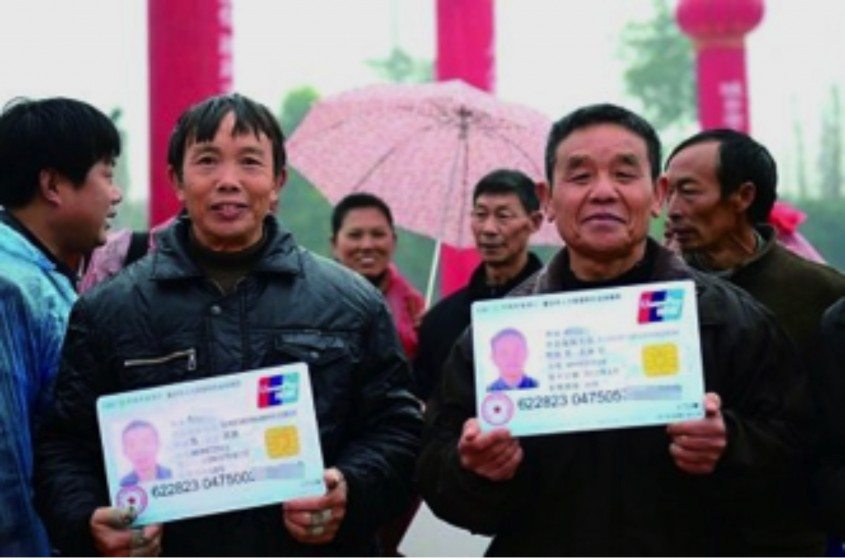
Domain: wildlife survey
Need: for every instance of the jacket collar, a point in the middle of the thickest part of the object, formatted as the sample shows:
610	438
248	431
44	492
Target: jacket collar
172	262
479	289
667	267
7	219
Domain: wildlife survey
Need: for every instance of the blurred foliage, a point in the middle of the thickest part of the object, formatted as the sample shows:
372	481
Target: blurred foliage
830	147
131	214
294	107
660	72
400	67
823	227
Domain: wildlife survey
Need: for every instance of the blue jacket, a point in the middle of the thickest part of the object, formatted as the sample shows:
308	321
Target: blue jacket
35	301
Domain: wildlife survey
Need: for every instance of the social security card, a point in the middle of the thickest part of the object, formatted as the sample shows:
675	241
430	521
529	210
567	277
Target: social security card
213	445
588	360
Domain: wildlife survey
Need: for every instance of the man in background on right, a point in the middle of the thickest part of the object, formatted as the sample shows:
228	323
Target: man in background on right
719	188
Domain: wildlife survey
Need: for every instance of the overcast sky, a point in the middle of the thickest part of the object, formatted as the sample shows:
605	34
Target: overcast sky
551	54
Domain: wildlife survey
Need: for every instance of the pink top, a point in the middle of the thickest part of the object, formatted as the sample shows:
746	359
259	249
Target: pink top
406	305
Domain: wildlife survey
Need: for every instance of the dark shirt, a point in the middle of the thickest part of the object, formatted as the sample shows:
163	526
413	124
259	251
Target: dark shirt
132	479
524	383
223	268
444	322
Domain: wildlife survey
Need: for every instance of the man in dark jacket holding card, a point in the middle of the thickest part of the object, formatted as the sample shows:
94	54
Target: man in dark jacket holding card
227	291
678	490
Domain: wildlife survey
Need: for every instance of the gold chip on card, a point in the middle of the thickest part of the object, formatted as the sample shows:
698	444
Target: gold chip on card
660	359
281	441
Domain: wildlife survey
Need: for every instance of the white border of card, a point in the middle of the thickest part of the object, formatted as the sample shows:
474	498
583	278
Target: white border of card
219	444
588	360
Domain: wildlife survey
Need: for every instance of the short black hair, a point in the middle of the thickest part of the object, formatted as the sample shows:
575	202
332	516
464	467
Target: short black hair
200	122
358	200
137	424
741	159
603	113
509	331
509	181
67	136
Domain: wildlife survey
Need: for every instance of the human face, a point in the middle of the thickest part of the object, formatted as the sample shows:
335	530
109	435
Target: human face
365	242
88	208
140	447
699	218
602	196
228	187
510	355
501	228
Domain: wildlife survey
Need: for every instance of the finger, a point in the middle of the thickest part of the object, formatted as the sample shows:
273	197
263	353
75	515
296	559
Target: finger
333	478
483	442
504	470
308	504
503	454
678	453
149	549
712	404
309	535
471	430
154	531
695	468
472	458
698	443
709	426
115	518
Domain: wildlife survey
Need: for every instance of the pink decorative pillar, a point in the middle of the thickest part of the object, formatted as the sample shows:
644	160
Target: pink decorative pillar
718	29
190	58
465	50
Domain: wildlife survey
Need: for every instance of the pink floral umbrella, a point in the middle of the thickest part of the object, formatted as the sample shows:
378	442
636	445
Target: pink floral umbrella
422	148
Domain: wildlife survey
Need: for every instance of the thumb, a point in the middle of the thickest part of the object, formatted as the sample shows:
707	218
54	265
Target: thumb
712	404
116	518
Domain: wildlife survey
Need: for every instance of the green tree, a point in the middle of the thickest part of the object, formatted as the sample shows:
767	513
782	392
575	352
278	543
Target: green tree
294	107
131	214
660	70
830	150
400	67
302	208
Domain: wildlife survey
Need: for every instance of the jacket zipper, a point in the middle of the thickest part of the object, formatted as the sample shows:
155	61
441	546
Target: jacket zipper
191	354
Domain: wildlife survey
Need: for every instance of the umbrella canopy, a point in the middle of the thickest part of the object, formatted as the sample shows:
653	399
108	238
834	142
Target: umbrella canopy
422	148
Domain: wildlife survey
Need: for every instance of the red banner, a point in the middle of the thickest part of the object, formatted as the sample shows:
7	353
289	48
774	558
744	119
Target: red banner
465	50
190	58
718	29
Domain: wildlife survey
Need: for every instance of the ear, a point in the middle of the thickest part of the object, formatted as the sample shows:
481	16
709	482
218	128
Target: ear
544	193
661	189
48	186
742	198
280	180
176	184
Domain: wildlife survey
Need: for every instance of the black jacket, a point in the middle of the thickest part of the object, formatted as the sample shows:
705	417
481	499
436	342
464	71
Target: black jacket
618	492
443	323
293	306
829	384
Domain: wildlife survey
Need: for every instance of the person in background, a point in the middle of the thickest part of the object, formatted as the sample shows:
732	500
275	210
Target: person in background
364	239
505	213
829	382
56	168
719	188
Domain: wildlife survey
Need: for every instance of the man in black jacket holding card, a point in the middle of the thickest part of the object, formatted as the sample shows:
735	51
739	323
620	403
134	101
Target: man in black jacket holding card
678	490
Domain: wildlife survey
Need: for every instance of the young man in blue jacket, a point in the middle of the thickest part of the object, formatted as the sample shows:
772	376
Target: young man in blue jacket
57	195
